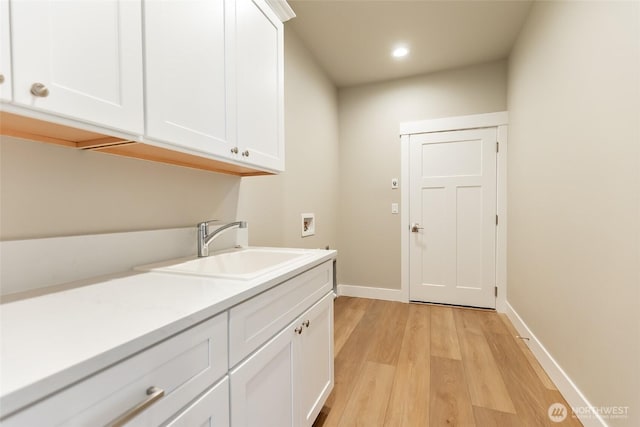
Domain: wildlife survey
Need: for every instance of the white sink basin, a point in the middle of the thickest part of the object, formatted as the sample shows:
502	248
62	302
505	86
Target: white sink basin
240	264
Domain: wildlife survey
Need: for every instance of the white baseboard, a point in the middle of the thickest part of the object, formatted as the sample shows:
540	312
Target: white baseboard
371	292
569	390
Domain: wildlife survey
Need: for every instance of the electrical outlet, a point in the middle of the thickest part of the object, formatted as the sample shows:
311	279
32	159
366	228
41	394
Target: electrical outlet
394	208
394	183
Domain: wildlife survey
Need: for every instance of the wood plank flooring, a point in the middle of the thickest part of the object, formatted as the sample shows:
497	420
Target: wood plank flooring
417	365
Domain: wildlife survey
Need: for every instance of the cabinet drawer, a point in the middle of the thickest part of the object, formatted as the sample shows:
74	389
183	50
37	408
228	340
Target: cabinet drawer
182	366
253	322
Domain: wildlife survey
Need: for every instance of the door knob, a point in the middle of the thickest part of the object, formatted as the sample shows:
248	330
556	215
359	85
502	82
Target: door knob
415	227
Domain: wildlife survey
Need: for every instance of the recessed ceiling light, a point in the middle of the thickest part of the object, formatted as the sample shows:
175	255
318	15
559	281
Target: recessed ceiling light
400	52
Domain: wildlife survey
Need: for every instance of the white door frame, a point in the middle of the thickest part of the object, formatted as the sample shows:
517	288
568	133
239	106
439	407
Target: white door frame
499	120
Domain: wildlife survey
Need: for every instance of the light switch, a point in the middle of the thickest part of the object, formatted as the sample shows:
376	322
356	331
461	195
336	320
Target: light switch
394	208
394	183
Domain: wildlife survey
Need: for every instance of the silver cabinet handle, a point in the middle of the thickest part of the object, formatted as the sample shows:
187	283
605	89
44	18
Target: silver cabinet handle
234	150
40	90
306	323
1	78
245	153
415	227
154	393
298	330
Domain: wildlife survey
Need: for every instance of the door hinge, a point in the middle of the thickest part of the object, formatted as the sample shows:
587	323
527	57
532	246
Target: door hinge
496	219
495	291
497	147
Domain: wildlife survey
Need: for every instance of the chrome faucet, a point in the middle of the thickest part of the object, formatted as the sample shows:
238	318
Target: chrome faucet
205	238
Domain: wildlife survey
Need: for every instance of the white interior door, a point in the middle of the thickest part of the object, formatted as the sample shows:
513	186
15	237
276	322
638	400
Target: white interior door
453	207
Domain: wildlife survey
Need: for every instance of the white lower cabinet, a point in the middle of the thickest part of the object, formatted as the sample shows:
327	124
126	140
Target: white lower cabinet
286	381
253	322
279	374
182	367
262	388
212	409
314	361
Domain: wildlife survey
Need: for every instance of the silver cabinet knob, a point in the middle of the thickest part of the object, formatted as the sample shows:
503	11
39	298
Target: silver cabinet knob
245	153
234	150
1	78
40	90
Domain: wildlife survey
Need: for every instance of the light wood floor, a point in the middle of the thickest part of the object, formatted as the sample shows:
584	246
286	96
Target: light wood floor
419	365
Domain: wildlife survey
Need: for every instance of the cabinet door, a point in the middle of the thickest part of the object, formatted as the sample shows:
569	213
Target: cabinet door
86	54
188	73
262	387
5	52
314	360
259	59
211	409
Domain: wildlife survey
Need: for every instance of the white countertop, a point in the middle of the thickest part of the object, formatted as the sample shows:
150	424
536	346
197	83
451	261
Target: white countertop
51	341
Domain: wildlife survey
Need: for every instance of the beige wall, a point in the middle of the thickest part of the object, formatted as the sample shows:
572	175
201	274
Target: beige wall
48	190
574	189
273	204
370	116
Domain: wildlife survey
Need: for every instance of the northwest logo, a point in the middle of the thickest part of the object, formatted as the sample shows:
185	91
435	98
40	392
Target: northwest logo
557	412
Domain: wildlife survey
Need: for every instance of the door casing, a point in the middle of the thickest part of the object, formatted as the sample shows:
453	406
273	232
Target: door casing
498	120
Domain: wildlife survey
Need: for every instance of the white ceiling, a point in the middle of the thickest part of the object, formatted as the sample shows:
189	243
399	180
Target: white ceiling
353	39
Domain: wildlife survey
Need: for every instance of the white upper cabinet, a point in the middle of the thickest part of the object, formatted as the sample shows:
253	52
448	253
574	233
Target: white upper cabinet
260	77
189	87
214	79
80	59
5	52
202	87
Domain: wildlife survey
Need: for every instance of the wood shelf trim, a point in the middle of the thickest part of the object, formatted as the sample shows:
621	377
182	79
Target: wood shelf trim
52	133
157	154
